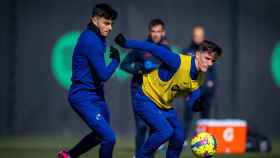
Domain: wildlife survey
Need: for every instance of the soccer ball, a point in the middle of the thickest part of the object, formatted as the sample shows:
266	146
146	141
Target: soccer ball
203	145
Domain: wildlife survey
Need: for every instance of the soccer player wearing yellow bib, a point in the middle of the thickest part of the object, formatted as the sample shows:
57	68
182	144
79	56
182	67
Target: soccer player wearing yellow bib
178	75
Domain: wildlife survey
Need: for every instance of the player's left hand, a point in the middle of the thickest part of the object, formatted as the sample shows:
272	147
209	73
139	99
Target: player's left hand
115	54
198	106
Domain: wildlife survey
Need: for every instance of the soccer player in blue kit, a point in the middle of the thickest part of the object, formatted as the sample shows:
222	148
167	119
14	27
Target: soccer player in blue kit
178	75
139	62
89	72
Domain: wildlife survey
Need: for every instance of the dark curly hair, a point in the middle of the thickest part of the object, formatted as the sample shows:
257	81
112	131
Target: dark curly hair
104	10
210	47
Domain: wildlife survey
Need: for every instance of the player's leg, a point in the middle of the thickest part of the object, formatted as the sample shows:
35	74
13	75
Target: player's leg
176	141
141	128
108	138
95	114
87	142
161	130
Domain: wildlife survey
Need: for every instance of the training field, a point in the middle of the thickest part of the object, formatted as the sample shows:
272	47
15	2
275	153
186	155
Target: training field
37	147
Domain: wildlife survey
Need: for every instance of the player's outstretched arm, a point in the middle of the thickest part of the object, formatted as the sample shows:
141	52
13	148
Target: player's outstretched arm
166	56
96	58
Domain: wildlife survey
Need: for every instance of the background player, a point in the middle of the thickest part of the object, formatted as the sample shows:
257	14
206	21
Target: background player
208	88
89	73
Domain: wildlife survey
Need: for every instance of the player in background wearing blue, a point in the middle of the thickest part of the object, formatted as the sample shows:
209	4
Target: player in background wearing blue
208	88
89	73
178	75
138	62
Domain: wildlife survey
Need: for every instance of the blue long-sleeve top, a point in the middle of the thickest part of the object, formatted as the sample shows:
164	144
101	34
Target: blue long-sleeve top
138	62
89	70
170	63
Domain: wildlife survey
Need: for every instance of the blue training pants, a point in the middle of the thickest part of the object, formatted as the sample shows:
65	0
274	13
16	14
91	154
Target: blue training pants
164	125
96	115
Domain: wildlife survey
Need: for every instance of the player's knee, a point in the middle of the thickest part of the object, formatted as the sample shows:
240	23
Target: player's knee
109	139
167	132
179	137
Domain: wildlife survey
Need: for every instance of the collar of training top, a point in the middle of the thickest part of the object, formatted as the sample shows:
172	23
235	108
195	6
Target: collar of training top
93	28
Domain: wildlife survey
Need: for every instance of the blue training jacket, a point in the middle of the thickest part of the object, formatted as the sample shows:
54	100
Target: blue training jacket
89	71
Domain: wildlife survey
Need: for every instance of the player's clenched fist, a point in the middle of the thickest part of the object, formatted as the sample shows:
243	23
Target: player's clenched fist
115	54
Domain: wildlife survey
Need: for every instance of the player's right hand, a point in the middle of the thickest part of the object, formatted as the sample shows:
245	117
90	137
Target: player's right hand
120	40
115	54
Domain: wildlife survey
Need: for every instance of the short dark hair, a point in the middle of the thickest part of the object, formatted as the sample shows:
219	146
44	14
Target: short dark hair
104	10
155	22
210	47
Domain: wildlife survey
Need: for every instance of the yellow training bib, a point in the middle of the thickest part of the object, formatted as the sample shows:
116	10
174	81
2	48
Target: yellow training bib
162	93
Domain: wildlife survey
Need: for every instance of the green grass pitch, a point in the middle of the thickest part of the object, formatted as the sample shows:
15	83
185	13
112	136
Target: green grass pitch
47	147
